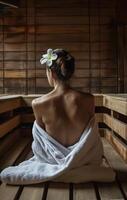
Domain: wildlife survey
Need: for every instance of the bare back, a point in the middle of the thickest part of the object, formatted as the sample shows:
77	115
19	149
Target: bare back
66	115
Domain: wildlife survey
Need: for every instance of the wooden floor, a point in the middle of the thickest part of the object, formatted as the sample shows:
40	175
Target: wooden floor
59	191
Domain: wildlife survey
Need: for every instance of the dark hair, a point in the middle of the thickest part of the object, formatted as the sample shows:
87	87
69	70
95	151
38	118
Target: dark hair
64	65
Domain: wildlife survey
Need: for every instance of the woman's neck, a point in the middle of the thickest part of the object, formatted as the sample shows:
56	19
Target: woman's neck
61	87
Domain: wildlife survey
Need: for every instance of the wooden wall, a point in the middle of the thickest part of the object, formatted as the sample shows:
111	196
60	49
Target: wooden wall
85	28
121	26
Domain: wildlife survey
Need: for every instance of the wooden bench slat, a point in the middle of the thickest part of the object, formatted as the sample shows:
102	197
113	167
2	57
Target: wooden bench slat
8	141
109	191
9	192
26	154
32	193
115	160
10	157
118	145
116	125
84	191
8	103
9	125
115	104
58	191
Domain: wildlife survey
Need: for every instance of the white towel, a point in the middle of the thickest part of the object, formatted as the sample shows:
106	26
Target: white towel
53	161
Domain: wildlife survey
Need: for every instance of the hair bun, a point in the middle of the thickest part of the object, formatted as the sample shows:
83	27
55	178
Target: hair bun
64	65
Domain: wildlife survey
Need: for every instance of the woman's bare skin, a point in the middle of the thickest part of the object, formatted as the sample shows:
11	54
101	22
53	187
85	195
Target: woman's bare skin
64	113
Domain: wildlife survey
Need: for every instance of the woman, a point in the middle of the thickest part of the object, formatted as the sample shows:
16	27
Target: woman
66	143
64	112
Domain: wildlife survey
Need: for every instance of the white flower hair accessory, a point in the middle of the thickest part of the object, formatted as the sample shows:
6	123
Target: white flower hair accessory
48	58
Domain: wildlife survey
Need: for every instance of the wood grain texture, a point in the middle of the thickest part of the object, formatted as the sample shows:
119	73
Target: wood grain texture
10	192
83	28
9	125
84	191
110	191
32	192
59	189
118	145
115	161
9	103
116	125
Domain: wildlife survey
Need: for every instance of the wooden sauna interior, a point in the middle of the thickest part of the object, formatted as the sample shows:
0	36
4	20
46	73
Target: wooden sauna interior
95	32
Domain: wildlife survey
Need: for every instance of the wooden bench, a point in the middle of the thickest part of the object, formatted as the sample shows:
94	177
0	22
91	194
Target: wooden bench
15	146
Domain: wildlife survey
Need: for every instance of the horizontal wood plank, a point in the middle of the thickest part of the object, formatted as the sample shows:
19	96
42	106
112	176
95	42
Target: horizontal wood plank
8	141
113	102
9	125
12	155
116	125
120	147
9	103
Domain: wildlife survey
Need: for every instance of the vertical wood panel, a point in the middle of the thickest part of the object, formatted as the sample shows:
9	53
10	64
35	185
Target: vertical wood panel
125	60
83	27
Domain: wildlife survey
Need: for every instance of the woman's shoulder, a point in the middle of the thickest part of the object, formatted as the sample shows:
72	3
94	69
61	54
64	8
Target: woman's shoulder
40	100
75	94
43	101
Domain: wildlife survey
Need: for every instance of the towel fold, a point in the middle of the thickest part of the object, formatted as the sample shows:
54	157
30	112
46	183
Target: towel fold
81	162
